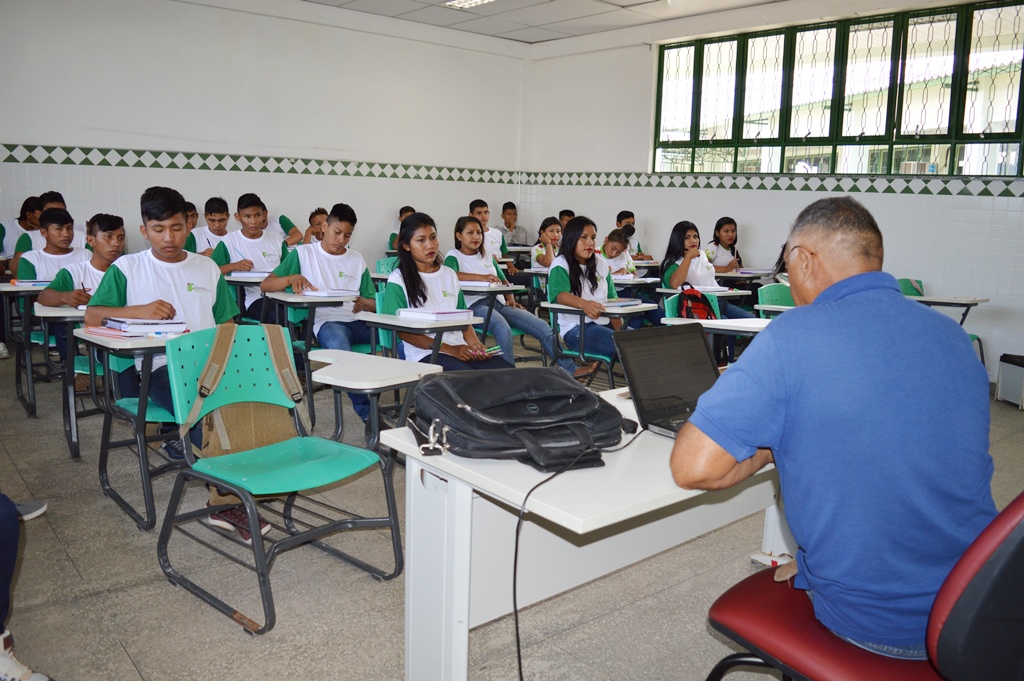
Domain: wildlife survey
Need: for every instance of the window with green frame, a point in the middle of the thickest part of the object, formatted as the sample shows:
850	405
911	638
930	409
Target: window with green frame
930	92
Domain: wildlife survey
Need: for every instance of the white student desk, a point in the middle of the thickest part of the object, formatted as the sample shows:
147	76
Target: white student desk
519	249
240	280
777	309
69	317
391	322
634	282
728	327
145	348
491	293
731	293
966	302
742	275
370	375
460	532
16	300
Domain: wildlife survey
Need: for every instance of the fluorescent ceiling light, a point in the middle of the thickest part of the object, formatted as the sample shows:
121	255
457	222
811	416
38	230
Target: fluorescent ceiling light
465	4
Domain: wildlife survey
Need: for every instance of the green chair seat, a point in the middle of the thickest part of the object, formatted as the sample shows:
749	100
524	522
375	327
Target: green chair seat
362	348
154	412
36	338
117	364
296	464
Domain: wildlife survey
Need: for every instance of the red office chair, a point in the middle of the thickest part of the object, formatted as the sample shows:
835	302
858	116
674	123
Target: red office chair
975	630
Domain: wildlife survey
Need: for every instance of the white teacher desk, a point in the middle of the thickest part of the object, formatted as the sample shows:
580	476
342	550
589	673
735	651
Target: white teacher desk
460	531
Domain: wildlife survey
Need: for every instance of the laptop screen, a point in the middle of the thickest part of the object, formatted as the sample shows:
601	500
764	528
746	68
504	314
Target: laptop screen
667	369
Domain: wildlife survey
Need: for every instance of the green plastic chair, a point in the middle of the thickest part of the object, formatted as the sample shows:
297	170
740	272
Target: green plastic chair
386	265
277	473
915	288
774	294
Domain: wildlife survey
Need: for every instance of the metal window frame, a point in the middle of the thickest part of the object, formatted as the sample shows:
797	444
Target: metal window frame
954	137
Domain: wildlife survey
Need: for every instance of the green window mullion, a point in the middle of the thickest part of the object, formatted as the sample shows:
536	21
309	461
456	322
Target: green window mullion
961	72
741	90
893	115
788	59
657	109
698	89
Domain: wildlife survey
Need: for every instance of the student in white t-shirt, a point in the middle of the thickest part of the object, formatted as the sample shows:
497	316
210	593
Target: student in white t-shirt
472	263
57	229
420	280
33	240
10	231
331	264
73	285
494	238
722	252
167	282
317	222
580	278
251	249
546	248
207	238
686	262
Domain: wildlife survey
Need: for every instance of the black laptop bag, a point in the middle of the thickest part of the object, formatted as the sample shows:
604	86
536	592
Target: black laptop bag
540	416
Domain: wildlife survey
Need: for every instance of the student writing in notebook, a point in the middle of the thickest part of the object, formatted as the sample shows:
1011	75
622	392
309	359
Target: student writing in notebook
216	214
420	280
331	264
580	278
881	445
473	263
74	284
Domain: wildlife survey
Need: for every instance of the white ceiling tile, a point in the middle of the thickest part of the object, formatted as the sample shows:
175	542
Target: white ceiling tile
436	16
596	23
556	10
673	9
388	8
533	35
502	6
489	26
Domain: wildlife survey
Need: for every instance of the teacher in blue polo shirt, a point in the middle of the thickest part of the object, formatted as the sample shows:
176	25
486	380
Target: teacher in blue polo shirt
875	410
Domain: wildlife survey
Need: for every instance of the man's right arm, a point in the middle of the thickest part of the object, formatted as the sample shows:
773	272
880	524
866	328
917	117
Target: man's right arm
698	462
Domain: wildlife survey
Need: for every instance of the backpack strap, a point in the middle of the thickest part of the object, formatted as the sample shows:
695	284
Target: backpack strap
213	371
281	358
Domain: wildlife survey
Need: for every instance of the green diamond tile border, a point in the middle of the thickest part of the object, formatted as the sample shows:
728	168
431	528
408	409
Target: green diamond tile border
191	160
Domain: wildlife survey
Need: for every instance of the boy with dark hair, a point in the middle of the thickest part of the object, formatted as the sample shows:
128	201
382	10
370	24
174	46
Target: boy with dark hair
73	285
403	213
163	282
494	238
317	222
191	220
252	248
10	231
57	228
331	264
216	215
564	216
626	221
282	227
517	234
34	240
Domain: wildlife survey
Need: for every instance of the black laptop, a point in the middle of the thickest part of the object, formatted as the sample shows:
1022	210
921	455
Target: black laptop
667	369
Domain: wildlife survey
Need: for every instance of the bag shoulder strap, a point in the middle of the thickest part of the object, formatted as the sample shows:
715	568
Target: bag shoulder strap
280	357
213	371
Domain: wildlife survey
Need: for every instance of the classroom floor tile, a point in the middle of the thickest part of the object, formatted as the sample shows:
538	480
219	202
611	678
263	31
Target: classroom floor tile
91	603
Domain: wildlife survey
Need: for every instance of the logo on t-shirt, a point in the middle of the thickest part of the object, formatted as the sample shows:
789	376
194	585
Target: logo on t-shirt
445	294
196	288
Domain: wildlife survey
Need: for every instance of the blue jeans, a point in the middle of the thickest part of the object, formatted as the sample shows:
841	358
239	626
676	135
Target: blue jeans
505	316
598	339
914	653
652	316
342	336
9	531
449	363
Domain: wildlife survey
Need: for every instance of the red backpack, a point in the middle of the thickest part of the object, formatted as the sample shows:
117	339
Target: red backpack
694	305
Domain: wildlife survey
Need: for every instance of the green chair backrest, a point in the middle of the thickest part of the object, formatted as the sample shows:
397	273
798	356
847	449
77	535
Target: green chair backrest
672	306
248	377
911	287
383	337
713	299
775	294
387	265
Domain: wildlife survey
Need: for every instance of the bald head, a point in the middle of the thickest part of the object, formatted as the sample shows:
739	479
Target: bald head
831	240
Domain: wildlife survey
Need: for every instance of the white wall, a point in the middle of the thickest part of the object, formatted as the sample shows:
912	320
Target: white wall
153	74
